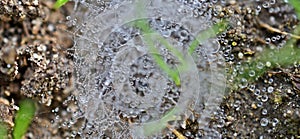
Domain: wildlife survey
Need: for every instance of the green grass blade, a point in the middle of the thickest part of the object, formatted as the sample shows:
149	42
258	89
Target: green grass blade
150	35
23	118
157	126
59	3
173	74
171	48
208	33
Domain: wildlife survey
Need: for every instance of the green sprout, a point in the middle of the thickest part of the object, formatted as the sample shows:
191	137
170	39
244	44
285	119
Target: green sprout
23	118
59	3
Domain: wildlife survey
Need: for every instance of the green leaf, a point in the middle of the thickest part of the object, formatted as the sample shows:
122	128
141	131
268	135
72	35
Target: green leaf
59	3
23	118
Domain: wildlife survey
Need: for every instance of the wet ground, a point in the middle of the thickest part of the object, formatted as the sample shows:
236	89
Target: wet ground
37	62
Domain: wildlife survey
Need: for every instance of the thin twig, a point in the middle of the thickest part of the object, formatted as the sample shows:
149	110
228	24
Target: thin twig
178	134
277	30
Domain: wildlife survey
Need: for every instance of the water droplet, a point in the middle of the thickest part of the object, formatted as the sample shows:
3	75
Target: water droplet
241	70
260	65
275	121
251	87
251	73
272	2
270	89
268	40
264	122
266	4
258	9
243	83
257	92
264	98
264	89
268	64
271	80
68	18
264	112
240	55
273	39
278	37
259	104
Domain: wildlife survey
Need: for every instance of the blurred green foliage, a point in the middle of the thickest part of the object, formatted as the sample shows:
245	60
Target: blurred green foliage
296	5
3	130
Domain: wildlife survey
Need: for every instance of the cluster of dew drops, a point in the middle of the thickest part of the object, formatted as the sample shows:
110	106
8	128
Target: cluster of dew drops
165	28
181	35
140	84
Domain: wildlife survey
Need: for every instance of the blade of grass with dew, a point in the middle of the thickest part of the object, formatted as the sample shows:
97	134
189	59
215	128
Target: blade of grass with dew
183	64
173	74
149	37
208	33
23	118
59	3
146	29
157	126
171	48
151	128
